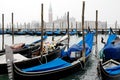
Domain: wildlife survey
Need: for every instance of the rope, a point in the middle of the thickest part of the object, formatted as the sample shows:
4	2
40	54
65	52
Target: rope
99	72
81	64
40	60
46	59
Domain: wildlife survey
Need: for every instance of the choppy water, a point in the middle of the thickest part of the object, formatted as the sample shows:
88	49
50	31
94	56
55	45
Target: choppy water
89	73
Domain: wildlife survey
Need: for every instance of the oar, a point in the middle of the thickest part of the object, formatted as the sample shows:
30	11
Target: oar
63	38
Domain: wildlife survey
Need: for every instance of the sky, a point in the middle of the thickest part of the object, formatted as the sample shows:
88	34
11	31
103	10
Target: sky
30	10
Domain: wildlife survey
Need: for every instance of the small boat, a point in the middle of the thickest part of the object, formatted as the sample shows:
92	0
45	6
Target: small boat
1	32
109	64
49	33
109	70
79	33
57	32
8	31
73	32
20	33
30	32
110	49
55	69
38	33
25	49
63	32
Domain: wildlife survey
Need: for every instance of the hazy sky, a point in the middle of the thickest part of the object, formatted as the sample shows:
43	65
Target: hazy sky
28	10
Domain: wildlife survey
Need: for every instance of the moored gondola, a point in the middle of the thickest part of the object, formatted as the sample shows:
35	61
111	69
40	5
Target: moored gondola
109	64
109	70
49	33
49	53
25	49
72	61
57	32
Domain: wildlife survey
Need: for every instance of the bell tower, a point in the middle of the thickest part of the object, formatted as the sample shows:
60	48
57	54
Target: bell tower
50	14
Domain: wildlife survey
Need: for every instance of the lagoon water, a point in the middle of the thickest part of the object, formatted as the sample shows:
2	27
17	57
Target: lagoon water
88	73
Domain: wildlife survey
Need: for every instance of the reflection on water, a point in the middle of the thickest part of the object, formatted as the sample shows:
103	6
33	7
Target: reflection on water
88	73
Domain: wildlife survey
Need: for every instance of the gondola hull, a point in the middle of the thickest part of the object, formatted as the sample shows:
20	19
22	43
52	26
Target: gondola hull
55	74
55	69
27	52
103	75
33	61
109	54
27	49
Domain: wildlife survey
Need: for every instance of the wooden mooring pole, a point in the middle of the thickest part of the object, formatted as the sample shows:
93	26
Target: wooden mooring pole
2	31
68	29
12	30
83	51
96	25
76	26
53	32
42	24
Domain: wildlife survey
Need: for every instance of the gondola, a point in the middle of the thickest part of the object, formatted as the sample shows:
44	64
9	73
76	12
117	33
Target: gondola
79	33
109	64
49	33
57	32
73	32
57	68
20	33
109	70
63	32
25	49
38	33
30	32
48	54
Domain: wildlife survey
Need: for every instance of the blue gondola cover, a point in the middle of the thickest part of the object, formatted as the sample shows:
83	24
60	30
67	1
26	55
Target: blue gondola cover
54	64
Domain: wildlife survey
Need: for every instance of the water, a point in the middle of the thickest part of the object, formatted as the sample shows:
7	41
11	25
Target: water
89	73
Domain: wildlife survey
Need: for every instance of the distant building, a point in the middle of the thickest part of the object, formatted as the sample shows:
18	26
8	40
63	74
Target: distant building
91	24
61	23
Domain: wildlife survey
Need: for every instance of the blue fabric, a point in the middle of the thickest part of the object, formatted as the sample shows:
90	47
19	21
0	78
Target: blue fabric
38	33
64	32
27	45
57	31
73	32
89	41
64	53
54	64
49	32
111	38
30	32
21	33
110	50
78	47
113	70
